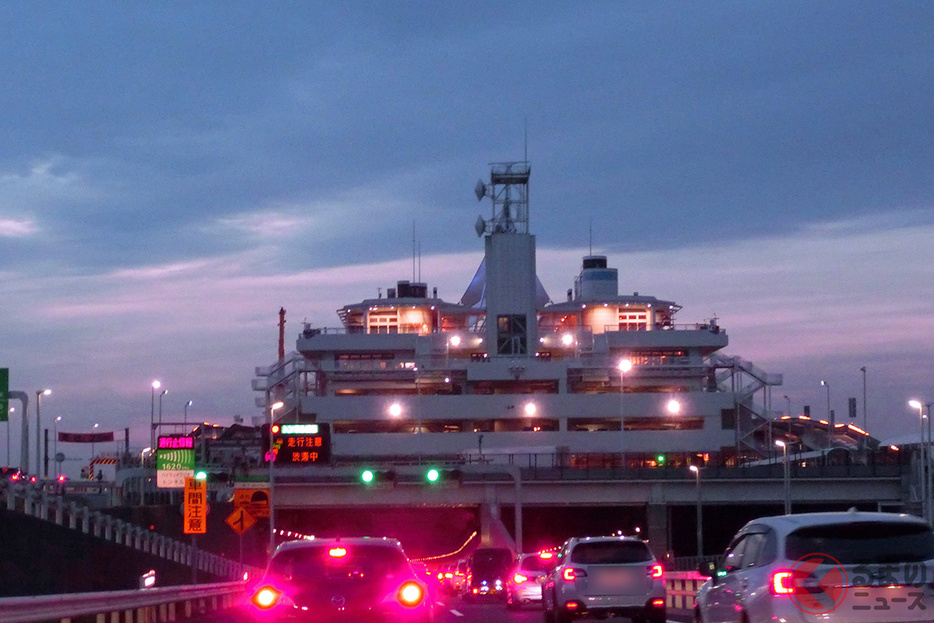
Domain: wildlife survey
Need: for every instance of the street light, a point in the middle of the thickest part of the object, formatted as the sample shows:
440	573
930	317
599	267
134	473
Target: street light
9	461
700	517
185	418
395	410
58	465
925	456
93	428
272	459
787	475
788	400
39	394
625	365
152	416
674	407
164	392
829	412
865	413
530	409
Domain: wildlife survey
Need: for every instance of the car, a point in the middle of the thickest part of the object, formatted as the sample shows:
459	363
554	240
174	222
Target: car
340	580
524	579
446	579
848	566
605	576
487	568
460	576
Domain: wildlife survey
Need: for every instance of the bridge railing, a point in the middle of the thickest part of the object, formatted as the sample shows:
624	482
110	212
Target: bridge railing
152	605
39	503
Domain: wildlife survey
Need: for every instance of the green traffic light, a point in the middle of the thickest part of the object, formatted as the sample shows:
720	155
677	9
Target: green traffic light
660	458
433	475
202	475
367	475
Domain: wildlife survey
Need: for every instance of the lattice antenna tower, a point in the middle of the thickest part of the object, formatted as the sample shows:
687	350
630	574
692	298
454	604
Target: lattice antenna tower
508	191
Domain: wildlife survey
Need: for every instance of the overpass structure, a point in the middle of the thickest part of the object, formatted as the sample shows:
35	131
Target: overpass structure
492	487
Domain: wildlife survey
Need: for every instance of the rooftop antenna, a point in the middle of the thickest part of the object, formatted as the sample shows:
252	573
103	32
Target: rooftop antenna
591	234
413	250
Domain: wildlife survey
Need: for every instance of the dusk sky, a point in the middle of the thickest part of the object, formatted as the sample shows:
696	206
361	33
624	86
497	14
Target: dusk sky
171	174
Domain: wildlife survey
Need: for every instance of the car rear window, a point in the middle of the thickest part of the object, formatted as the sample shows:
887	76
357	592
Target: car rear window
318	563
533	563
863	542
610	553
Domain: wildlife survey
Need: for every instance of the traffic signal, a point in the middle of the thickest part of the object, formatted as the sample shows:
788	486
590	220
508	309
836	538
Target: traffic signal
378	477
437	476
660	459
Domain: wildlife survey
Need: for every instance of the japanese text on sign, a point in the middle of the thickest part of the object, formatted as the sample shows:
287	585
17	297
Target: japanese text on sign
196	506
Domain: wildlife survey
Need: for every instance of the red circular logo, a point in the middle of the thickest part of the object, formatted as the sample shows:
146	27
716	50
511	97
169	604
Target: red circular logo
819	582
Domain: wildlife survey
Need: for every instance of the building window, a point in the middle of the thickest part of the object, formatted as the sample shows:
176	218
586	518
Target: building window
511	335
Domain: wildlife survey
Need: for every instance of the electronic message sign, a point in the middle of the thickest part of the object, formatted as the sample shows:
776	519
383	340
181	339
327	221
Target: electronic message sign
302	444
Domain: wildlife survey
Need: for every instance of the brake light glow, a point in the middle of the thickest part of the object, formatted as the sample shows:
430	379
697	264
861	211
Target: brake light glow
411	594
448	575
519	578
658	603
570	574
782	583
571	605
546	555
266	597
337	552
656	571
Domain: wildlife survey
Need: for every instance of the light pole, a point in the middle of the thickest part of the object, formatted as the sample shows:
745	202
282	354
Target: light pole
272	459
9	461
700	517
93	428
39	394
865	413
185	417
58	465
787	475
788	401
152	417
164	392
924	472
625	365
829	413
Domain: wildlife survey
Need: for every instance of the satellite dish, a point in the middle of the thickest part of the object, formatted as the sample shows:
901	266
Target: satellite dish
480	190
480	226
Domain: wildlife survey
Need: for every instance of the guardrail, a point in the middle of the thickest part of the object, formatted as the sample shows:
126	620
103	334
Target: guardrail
150	605
38	503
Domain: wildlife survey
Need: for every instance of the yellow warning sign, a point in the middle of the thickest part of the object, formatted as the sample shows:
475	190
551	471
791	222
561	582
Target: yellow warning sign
254	501
240	520
196	506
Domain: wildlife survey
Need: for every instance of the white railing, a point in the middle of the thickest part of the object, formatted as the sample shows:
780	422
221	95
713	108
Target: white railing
151	605
41	504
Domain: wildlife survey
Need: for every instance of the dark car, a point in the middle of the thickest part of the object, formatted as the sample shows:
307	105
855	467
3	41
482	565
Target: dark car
487	569
336	580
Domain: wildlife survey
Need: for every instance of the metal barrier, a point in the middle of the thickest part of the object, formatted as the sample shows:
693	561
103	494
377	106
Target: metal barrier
681	587
150	605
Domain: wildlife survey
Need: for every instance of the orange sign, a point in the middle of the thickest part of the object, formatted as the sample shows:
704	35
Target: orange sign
196	506
254	501
240	520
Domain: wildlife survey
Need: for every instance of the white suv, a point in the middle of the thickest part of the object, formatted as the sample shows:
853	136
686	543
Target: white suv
845	566
599	577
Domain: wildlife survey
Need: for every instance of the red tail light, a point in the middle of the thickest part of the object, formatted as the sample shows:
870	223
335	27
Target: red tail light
658	603
656	571
782	583
410	594
570	574
448	575
337	552
266	597
519	578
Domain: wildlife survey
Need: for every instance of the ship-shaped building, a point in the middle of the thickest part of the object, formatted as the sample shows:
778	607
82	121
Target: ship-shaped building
598	376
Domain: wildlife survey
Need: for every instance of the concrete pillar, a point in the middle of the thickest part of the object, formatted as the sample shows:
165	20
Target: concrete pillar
656	518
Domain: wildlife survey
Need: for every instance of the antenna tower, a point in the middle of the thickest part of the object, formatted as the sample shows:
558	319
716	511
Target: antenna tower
508	191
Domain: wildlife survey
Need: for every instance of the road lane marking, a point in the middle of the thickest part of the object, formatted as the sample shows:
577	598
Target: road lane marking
456	613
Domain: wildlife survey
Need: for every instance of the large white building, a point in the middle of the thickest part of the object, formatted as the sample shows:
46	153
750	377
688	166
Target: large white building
507	370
